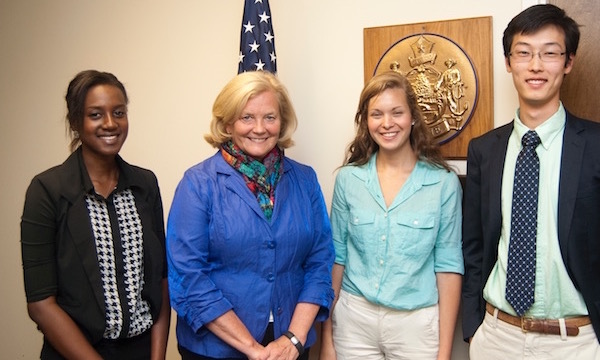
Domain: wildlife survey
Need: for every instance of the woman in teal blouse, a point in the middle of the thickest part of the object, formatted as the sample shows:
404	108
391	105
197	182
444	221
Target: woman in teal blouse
396	222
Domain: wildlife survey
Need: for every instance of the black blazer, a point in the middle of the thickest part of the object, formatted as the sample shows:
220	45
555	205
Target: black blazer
578	215
58	247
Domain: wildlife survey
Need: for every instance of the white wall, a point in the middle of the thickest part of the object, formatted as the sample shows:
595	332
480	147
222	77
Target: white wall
174	57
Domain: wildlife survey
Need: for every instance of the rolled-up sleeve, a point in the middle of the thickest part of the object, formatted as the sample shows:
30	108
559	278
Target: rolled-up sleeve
339	219
194	295
318	264
448	248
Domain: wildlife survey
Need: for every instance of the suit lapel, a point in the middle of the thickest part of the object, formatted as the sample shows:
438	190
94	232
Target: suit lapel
570	169
79	228
495	171
76	185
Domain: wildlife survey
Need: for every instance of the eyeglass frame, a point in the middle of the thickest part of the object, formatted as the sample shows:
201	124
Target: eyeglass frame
526	59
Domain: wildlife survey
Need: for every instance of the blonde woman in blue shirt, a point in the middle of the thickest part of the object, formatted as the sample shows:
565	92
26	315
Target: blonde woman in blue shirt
396	222
248	237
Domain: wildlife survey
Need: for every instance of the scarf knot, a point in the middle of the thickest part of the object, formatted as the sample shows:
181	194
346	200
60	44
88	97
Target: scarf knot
260	177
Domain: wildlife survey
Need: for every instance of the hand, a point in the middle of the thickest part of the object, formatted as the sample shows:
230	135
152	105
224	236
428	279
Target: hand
258	352
282	349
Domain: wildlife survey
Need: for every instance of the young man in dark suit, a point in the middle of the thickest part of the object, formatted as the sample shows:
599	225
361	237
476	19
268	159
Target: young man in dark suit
531	226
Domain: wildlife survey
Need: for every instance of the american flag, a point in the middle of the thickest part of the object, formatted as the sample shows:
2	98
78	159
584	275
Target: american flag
257	43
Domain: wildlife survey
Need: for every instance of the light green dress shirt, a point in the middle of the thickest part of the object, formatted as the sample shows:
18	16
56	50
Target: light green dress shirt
391	254
555	295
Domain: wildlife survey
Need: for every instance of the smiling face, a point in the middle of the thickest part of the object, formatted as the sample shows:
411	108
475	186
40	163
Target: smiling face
105	124
257	130
537	82
389	120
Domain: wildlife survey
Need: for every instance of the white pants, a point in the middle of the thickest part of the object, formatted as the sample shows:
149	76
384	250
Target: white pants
497	340
362	330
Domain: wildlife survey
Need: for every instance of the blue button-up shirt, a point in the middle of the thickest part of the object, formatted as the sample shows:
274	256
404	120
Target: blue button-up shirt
223	254
391	254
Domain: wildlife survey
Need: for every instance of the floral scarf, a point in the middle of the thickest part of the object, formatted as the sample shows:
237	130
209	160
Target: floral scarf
261	177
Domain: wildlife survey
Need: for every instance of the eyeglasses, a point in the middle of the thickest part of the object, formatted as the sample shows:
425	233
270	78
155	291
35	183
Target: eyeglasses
525	56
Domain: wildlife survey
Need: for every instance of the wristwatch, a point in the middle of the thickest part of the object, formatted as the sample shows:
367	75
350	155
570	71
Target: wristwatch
290	335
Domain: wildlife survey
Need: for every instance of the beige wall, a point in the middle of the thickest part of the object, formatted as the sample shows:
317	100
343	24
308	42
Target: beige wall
174	56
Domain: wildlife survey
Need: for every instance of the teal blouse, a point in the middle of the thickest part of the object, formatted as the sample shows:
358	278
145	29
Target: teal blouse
391	254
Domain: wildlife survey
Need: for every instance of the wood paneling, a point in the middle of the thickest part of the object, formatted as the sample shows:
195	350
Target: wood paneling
474	36
581	89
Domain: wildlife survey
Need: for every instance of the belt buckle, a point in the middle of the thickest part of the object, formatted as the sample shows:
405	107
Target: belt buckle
526	323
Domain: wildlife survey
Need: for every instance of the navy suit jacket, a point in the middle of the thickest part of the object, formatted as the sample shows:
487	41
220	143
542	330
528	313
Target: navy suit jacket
578	215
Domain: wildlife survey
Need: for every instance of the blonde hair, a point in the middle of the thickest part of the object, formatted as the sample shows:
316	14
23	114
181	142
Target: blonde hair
232	99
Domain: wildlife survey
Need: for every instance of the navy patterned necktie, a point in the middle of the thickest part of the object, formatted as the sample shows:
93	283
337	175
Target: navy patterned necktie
520	274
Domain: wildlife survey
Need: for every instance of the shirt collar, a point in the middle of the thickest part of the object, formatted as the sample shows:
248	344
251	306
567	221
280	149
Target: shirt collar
548	130
127	178
421	175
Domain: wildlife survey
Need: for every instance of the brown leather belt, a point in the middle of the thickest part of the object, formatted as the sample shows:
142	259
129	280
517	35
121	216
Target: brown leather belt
544	326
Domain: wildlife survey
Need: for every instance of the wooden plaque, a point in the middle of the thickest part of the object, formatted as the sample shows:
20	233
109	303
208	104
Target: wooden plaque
474	37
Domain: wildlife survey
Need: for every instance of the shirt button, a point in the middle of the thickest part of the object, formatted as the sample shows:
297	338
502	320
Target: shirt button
415	222
380	262
355	220
271	277
383	237
376	286
385	215
271	244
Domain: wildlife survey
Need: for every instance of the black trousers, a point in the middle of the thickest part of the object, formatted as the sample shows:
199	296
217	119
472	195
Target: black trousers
269	336
135	348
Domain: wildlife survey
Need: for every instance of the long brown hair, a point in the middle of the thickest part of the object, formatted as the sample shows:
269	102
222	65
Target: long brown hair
363	146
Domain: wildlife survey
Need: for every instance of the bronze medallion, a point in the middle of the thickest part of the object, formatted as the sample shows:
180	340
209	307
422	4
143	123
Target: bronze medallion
443	78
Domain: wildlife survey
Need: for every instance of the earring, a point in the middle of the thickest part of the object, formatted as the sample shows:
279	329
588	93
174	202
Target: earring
75	134
412	123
